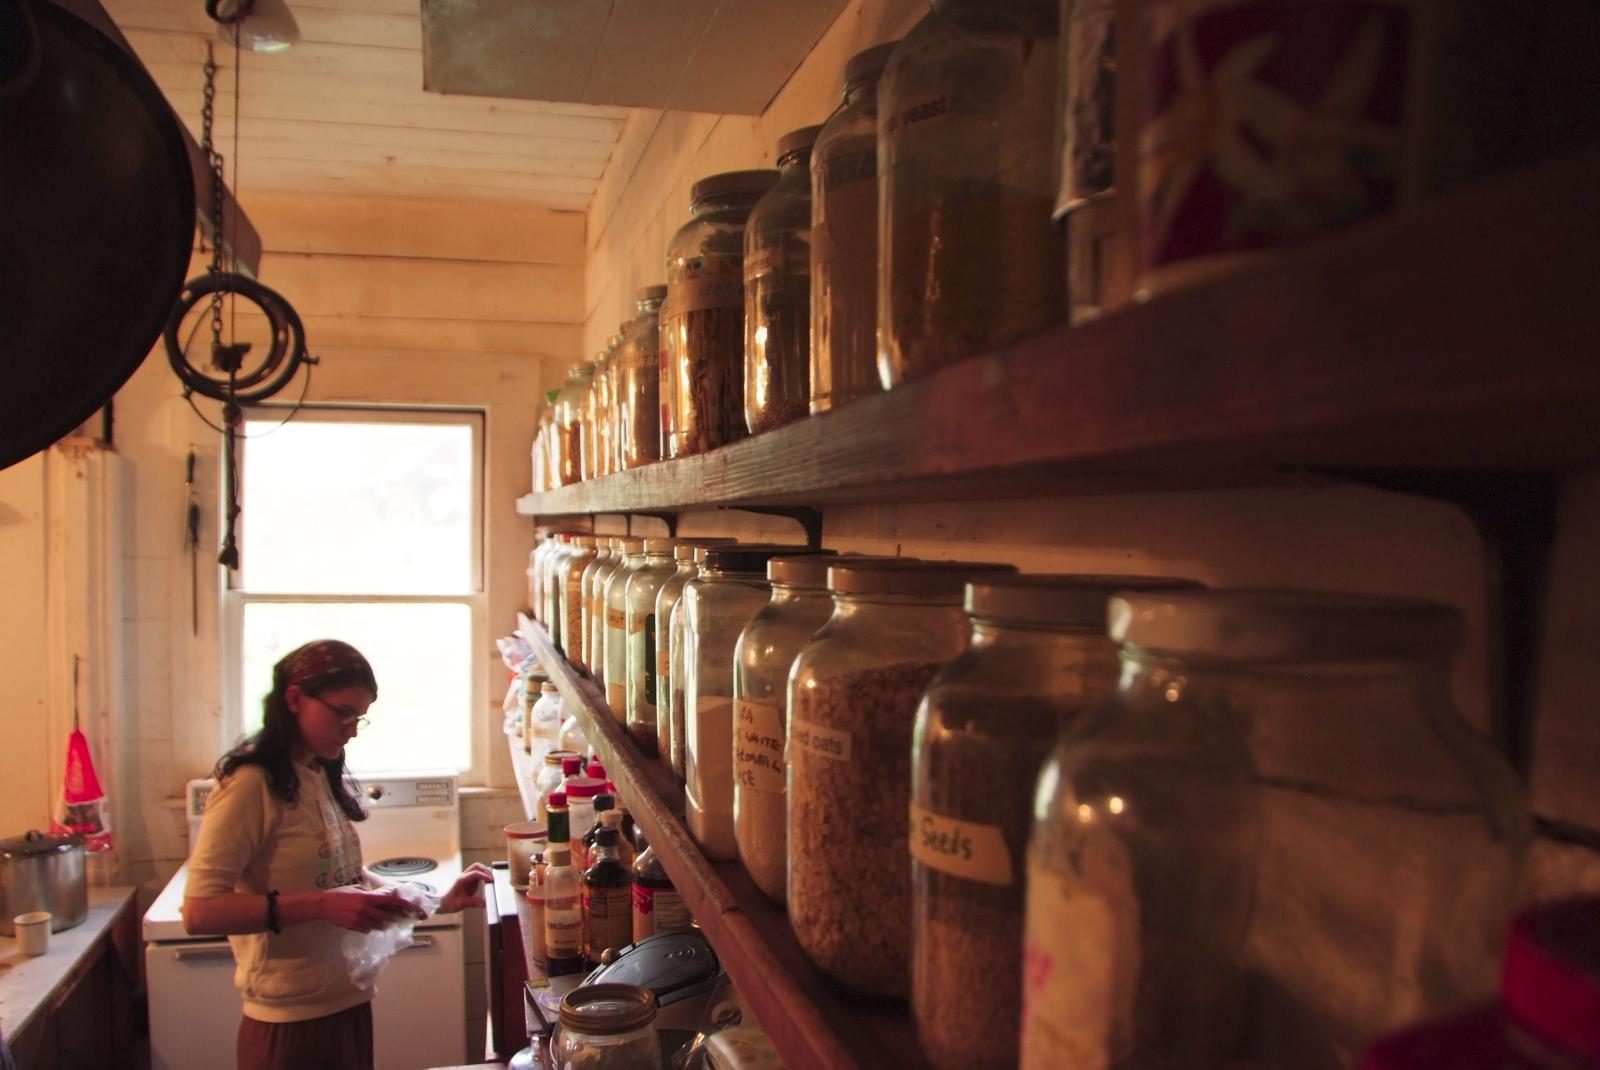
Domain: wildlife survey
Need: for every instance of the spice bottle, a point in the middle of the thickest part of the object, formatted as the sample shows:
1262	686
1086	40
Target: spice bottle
644	583
1037	656
777	291
604	803
563	909
1276	841
702	352
570	590
532	903
669	650
568	452
581	792
968	258
844	240
607	901
657	906
853	697
614	636
593	612
638	382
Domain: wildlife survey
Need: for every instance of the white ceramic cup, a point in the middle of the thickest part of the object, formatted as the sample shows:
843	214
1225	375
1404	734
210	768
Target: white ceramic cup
33	932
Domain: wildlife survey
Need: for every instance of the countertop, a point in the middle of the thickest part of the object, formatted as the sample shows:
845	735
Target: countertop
27	983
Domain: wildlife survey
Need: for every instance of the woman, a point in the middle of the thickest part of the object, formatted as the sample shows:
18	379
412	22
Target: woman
276	843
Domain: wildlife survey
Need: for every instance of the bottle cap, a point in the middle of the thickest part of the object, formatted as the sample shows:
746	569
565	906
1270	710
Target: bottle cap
556	799
561	856
584	787
611	819
604	801
595	769
556	757
732	183
572	765
606	837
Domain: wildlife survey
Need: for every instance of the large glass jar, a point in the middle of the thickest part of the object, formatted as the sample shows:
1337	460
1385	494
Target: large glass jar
1278	841
638	379
594	610
853	696
777	291
570	591
702	350
614	636
1099	253
656	566
669	649
567	456
717	604
969	258
592	446
550	584
608	1027
1037	656
844	240
610	432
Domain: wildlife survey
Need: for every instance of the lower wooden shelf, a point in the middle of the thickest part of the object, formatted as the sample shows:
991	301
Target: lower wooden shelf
811	1022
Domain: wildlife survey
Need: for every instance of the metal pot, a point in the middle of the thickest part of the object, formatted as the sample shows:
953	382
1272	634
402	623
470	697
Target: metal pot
40	871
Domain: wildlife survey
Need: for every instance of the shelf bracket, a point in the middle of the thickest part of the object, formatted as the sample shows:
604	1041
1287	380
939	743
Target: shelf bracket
809	519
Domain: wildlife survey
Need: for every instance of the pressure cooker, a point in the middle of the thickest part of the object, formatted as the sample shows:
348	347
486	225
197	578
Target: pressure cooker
40	871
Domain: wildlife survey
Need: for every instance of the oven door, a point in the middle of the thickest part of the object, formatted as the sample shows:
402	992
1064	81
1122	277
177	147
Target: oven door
194	1008
419	1018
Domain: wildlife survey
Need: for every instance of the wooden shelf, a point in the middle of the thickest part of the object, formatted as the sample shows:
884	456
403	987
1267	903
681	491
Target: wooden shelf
811	1023
1462	336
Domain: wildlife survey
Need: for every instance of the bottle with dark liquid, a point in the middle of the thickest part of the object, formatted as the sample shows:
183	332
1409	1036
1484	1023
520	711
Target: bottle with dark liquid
607	884
657	906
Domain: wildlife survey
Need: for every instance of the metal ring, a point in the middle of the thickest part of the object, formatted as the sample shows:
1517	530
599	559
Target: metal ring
284	358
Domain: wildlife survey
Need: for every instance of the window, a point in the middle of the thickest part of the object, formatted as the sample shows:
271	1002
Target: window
366	526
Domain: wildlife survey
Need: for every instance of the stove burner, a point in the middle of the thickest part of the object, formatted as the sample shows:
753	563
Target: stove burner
403	867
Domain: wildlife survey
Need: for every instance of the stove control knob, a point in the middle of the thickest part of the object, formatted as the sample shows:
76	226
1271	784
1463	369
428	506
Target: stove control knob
375	792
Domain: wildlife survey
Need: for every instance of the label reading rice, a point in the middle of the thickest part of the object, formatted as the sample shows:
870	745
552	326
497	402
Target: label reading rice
818	739
960	848
758	744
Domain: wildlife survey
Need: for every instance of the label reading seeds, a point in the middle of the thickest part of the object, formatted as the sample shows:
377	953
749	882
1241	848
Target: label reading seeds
819	739
758	744
960	848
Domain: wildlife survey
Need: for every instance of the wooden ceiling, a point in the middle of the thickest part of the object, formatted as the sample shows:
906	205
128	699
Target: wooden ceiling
344	111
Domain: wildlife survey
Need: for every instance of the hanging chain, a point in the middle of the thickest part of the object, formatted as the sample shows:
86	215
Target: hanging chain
214	160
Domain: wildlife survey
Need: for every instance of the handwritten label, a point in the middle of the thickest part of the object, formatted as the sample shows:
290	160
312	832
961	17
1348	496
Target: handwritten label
820	739
615	618
960	848
758	745
707	283
758	264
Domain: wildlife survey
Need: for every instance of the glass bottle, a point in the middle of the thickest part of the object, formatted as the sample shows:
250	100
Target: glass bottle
589	443
604	803
614	637
702	352
639	382
777	291
569	583
853	697
1036	657
669	650
969	258
547	449
592	611
654	569
657	906
535	578
844	240
573	737
608	1027
581	792
607	901
548	781
563	912
544	720
1278	840
548	569
568	445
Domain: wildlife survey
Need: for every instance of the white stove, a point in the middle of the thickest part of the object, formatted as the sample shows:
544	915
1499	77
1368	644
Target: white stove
412	835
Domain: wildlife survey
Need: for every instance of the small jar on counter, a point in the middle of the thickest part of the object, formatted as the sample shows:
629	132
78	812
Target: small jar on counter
608	1027
638	382
777	291
655	567
614	636
594	612
567	447
524	839
569	586
669	649
853	697
702	352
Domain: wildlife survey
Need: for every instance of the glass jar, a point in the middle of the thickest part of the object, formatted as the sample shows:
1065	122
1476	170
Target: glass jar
969	258
535	556
547	441
567	456
702	352
551	584
844	240
573	739
638	380
1099	255
524	839
538	453
1277	841
644	583
717	604
569	583
853	697
608	1027
777	291
669	650
548	780
593	612
1036	657
544	719
614	641
589	444
771	641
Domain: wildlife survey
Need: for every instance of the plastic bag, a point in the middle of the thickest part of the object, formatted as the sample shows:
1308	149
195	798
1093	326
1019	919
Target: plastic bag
365	953
84	811
514	650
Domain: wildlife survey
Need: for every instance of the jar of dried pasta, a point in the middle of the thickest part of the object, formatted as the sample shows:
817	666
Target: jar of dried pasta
702	352
567	451
854	691
638	383
969	258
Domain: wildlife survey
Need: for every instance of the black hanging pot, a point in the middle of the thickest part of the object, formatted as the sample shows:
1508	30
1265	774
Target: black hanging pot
97	210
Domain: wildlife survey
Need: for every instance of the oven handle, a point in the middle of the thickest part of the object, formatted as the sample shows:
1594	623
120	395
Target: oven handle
195	954
418	943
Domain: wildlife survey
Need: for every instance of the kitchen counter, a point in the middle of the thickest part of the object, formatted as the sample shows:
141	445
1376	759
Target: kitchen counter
31	984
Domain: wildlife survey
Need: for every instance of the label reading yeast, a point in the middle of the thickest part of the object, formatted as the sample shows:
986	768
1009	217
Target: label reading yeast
820	739
758	744
960	848
916	114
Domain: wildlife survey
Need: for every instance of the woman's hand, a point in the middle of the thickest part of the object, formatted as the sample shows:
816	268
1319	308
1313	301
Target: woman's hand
362	911
464	892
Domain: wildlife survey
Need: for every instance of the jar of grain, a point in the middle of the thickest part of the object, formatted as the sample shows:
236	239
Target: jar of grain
844	240
669	650
655	567
569	589
593	612
1037	656
777	291
638	383
853	697
966	169
703	351
614	642
1277	841
567	452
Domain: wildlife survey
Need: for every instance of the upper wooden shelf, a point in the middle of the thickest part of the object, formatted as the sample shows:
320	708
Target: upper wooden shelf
1461	336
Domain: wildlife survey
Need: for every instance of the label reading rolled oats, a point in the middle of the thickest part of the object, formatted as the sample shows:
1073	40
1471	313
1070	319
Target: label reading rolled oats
758	745
819	739
960	848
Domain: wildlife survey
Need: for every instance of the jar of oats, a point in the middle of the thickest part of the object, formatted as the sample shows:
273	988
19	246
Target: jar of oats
853	697
1037	656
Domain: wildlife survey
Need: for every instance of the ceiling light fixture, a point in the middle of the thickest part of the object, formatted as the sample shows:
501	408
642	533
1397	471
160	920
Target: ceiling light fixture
258	25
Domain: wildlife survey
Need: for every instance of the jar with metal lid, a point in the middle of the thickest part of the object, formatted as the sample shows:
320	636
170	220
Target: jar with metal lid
614	644
638	382
853	697
844	240
1277	841
717	604
969	258
655	567
1036	657
567	452
593	612
669	649
702	352
569	585
608	1026
777	291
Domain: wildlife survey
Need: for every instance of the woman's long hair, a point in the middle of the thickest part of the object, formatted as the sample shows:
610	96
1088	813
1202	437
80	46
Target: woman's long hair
272	748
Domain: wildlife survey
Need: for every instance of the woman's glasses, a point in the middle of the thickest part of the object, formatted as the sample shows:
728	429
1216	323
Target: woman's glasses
346	717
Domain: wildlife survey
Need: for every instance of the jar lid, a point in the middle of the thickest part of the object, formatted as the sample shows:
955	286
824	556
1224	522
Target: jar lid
572	764
604	801
797	140
606	1009
629	544
868	63
548	687
908	576
584	787
1268	625
686	549
584	540
34	843
526	830
661	545
557	800
558	758
749	557
731	182
811	570
1062	598
655	292
1551	978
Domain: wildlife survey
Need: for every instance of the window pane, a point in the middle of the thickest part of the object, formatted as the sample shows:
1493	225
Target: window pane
368	508
421	654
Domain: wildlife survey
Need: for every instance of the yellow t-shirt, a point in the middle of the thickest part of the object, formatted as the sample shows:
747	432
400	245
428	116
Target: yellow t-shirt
252	841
